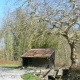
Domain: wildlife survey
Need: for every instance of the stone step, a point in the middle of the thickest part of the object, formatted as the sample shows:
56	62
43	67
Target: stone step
59	73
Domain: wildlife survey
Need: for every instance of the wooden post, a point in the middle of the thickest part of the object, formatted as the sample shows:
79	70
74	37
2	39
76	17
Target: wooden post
48	66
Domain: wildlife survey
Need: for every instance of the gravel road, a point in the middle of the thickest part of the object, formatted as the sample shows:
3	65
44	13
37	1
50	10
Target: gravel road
13	74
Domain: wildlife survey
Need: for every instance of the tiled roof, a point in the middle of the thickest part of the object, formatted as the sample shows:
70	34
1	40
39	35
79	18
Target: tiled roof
38	53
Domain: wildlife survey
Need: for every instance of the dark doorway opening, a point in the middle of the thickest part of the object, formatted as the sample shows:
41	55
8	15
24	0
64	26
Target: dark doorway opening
51	77
27	62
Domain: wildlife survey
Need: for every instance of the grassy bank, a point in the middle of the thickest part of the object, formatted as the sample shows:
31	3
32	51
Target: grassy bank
10	66
30	77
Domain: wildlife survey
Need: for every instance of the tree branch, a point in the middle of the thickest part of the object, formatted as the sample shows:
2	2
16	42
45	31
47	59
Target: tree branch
70	25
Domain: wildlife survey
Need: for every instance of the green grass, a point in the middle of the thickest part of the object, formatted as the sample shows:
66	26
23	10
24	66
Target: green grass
10	66
30	77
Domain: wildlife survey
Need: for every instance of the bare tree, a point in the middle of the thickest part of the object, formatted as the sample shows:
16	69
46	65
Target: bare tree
64	19
66	22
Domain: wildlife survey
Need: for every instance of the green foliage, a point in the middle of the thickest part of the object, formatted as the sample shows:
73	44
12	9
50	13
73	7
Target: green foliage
30	77
10	66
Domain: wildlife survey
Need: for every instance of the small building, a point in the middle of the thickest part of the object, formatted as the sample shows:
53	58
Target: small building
39	58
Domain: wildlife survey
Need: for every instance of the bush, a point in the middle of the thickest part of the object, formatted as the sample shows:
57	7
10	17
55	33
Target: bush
72	75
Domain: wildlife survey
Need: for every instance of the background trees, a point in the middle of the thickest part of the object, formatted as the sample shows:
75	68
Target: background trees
22	32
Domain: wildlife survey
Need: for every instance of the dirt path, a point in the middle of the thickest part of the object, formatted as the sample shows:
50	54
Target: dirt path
11	74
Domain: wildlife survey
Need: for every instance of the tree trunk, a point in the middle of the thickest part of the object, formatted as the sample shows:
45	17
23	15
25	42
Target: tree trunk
74	57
